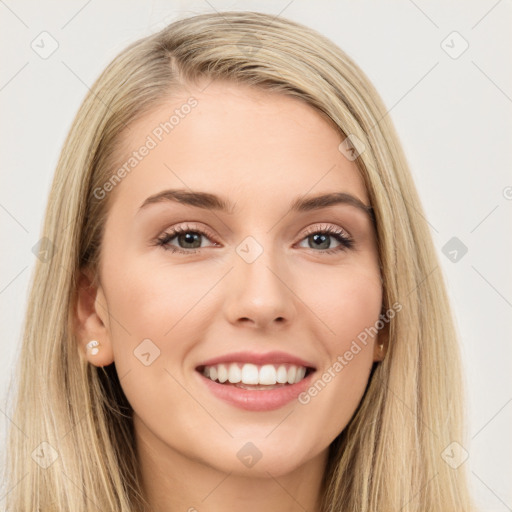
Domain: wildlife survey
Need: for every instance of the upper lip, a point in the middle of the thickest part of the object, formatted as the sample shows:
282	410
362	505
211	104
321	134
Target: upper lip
256	358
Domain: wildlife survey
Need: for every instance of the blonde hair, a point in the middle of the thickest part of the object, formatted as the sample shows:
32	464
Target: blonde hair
388	458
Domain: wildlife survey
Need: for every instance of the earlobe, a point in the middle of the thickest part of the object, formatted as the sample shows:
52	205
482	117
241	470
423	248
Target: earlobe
95	355
91	321
381	345
93	347
379	352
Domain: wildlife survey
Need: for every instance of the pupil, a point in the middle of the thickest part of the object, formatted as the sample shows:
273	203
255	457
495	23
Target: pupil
189	238
322	239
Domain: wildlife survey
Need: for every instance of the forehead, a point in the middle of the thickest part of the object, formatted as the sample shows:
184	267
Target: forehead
238	141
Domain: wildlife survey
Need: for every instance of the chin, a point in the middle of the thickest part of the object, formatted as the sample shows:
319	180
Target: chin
262	457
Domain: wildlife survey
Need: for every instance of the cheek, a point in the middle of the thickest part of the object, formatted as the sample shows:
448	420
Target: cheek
151	301
349	306
153	328
347	301
157	314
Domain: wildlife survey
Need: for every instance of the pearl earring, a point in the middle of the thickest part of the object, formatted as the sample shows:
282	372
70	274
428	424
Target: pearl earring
93	346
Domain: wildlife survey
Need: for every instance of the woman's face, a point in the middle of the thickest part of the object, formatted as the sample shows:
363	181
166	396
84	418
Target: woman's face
257	290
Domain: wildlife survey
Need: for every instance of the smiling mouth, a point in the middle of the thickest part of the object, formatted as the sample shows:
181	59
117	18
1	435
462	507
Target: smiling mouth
255	377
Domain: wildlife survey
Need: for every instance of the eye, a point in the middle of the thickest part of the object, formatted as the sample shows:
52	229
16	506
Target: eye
187	237
319	238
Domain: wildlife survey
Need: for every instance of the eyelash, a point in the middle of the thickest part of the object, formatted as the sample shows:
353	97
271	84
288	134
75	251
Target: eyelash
345	241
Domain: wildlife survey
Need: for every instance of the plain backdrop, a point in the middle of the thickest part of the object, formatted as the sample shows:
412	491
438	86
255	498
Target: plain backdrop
443	71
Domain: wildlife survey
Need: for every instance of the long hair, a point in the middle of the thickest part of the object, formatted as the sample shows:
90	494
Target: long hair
71	436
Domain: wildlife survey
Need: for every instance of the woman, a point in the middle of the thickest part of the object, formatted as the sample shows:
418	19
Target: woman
239	309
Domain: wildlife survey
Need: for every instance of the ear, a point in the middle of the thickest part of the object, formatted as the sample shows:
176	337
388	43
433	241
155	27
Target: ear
381	343
92	320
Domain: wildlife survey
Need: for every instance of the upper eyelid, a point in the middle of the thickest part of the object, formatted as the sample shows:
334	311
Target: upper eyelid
327	227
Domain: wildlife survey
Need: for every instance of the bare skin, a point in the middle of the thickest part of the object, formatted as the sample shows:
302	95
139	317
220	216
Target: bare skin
259	151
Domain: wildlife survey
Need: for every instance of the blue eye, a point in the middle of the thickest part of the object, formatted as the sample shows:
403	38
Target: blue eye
321	239
189	240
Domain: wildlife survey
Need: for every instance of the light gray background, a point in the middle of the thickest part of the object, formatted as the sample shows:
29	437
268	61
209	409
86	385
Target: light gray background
453	116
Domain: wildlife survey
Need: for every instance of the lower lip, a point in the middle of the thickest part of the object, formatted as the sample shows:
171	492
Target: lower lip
257	400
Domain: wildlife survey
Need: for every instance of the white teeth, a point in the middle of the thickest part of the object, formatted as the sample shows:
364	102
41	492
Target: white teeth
292	372
235	374
251	374
282	375
267	375
301	371
222	373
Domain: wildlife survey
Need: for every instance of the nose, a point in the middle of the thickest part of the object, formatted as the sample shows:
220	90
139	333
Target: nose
260	294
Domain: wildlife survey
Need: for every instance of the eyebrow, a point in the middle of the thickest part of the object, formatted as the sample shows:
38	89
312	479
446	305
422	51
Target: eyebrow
213	202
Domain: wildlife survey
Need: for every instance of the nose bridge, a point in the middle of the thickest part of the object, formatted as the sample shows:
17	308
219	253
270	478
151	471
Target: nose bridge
260	289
